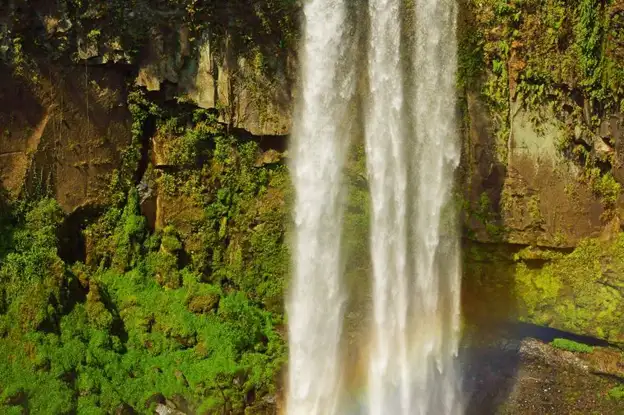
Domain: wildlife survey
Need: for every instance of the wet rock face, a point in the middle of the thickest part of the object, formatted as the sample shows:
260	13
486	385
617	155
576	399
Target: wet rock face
20	115
542	131
614	129
64	133
64	124
534	195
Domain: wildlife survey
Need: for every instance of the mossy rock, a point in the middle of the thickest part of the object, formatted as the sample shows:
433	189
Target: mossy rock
581	292
199	304
203	298
164	266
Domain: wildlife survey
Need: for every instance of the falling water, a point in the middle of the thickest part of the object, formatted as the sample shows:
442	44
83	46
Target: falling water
320	143
389	377
412	151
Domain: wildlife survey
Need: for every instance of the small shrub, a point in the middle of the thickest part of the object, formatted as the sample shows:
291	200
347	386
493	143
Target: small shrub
572	346
170	240
163	266
608	189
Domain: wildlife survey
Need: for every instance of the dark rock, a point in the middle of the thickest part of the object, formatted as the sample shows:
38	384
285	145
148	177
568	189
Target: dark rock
125	409
157	398
17	398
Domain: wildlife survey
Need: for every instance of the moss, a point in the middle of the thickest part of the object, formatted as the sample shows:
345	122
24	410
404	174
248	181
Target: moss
534	209
560	239
531	253
538	290
485	214
617	393
191	310
571	346
607	189
573	292
99	316
552	58
128	232
163	266
203	298
171	242
579	292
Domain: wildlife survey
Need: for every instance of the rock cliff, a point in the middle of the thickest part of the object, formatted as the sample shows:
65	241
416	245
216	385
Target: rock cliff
160	129
68	69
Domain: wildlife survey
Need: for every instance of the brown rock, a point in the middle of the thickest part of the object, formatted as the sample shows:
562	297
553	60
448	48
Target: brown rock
268	157
218	76
537	196
63	132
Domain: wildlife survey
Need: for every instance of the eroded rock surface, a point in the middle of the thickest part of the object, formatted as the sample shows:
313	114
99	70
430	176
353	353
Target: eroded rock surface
63	134
536	196
212	73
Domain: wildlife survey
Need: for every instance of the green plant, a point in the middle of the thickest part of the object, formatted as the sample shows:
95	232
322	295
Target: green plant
608	189
571	346
617	392
129	234
94	34
470	57
141	109
534	209
145	326
171	240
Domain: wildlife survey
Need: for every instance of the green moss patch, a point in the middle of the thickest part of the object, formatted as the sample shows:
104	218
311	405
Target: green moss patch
617	393
580	292
572	346
191	310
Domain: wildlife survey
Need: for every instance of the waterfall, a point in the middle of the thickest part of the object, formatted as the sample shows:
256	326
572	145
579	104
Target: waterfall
412	151
386	142
315	309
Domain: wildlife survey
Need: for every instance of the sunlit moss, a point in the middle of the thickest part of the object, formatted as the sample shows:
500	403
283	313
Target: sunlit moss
579	292
145	316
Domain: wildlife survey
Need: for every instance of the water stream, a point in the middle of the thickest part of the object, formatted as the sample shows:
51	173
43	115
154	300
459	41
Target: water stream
317	301
412	151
